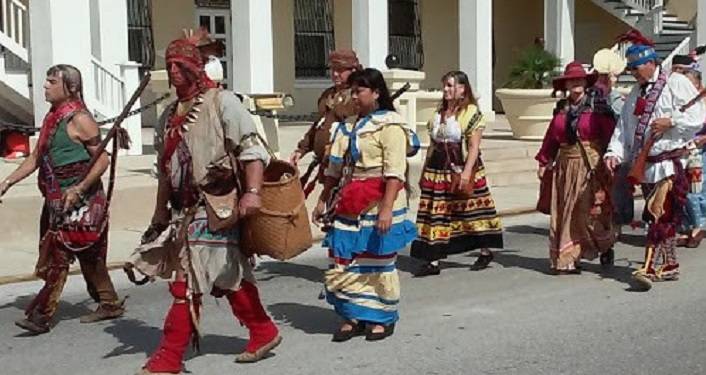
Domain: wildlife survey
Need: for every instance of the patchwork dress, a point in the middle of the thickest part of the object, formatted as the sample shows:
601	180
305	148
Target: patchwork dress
362	282
449	224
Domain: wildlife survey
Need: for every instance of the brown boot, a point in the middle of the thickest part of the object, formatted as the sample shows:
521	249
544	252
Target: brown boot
104	311
35	324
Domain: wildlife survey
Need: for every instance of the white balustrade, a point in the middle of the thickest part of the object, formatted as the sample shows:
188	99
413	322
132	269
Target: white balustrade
13	24
682	49
109	89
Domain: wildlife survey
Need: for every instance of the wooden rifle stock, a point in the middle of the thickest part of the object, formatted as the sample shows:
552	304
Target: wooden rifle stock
637	171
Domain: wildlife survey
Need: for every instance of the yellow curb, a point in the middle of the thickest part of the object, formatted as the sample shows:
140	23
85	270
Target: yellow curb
32	277
4	280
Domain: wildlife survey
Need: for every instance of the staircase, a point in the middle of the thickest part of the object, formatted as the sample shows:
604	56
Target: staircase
15	95
671	35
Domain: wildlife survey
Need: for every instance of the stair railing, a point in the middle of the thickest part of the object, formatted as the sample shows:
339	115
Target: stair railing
109	89
651	23
682	49
13	23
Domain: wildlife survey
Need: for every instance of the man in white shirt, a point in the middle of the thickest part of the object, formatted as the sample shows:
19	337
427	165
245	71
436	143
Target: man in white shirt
653	111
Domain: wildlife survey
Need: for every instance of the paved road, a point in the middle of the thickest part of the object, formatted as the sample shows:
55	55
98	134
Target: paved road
510	319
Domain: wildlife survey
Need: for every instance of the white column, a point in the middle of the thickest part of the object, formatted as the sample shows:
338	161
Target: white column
476	49
60	33
130	73
113	32
370	32
252	46
559	29
115	55
701	30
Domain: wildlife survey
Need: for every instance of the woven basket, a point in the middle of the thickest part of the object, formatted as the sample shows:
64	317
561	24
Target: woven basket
281	229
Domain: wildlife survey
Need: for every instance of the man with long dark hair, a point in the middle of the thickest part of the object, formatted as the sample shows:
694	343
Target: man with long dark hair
74	223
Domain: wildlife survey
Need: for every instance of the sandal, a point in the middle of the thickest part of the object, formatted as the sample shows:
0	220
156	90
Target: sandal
694	241
377	336
342	335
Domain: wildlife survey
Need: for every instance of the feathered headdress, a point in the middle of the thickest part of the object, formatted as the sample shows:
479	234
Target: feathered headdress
641	51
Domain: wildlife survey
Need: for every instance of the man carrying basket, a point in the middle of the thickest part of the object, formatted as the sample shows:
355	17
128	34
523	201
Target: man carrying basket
210	156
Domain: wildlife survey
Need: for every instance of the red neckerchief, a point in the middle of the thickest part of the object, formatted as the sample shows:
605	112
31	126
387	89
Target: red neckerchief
172	137
52	120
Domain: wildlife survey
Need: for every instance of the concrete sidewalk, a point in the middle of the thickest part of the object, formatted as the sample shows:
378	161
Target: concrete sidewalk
133	205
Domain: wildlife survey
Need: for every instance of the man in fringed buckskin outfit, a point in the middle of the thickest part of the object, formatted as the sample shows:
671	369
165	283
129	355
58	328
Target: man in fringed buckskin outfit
209	142
334	105
74	221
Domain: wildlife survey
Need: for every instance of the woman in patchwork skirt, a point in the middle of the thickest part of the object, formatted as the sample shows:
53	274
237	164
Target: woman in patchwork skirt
367	224
450	223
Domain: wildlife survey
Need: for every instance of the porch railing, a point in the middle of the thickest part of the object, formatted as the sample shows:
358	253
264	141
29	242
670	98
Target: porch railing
13	24
109	89
682	49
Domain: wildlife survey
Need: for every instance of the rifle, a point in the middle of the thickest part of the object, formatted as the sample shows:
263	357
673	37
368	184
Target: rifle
637	171
122	139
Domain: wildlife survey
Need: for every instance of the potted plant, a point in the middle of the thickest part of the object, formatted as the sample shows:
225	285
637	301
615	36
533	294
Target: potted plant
526	97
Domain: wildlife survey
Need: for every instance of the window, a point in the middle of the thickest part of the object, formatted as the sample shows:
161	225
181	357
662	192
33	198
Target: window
405	33
139	29
217	22
223	4
313	37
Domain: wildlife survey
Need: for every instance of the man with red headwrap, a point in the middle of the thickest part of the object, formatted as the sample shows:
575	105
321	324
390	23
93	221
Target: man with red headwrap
210	164
335	105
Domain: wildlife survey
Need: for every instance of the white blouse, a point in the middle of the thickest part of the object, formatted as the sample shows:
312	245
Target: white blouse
449	131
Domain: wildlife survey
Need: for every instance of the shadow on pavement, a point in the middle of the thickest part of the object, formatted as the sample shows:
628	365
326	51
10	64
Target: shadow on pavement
619	273
65	310
135	337
511	259
307	318
633	239
406	263
527	229
271	270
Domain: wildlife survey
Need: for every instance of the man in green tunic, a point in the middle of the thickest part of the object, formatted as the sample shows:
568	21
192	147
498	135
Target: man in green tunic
74	218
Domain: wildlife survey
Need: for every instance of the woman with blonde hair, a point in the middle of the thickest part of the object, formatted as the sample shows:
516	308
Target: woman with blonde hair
456	210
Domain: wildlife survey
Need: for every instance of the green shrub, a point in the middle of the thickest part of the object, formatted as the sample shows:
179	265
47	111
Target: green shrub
534	70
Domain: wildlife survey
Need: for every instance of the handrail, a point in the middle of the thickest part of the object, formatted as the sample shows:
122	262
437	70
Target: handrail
682	49
109	89
644	6
13	24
